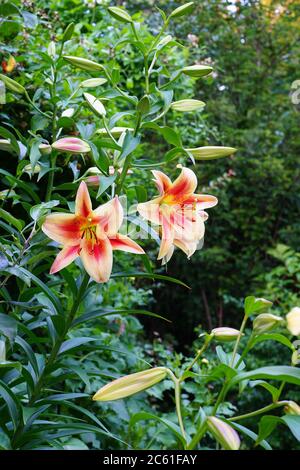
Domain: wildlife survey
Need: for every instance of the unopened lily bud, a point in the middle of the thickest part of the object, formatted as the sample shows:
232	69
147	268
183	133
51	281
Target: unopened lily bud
5	145
187	105
183	10
211	152
84	64
93	82
130	384
115	131
197	71
223	433
225	334
292	408
68	112
94	104
45	149
112	170
204	361
295	358
30	169
293	321
72	145
120	14
93	180
265	322
12	85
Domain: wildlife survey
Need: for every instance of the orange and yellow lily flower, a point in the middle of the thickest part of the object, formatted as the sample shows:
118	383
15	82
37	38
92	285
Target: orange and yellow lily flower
178	211
90	234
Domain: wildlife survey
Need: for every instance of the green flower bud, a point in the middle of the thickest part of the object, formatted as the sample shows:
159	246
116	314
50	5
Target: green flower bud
12	85
197	71
211	152
265	322
225	334
84	64
93	82
95	105
183	10
120	14
292	408
68	33
223	433
130	384
5	145
187	105
45	149
115	131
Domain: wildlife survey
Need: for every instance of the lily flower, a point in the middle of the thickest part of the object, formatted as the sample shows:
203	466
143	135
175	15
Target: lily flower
178	211
90	234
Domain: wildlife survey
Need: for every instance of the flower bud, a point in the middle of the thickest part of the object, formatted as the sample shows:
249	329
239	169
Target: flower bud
93	82
183	10
68	112
197	71
5	145
95	105
84	64
223	433
295	358
293	321
12	85
265	322
10	65
68	33
225	334
45	149
211	152
292	408
120	14
32	169
72	145
130	384
93	181
187	105
115	131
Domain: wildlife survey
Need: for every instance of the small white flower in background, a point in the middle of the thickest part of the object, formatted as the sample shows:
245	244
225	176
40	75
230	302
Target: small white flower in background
293	321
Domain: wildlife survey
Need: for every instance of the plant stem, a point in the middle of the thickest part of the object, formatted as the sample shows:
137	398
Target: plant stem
178	407
260	410
199	353
238	339
60	339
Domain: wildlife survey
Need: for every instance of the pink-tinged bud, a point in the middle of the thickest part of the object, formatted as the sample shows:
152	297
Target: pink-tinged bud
223	433
72	145
112	170
292	408
225	334
93	180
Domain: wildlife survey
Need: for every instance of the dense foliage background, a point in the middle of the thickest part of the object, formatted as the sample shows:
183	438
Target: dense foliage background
252	237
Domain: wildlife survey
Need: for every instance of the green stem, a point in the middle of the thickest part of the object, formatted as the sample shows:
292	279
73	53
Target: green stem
238	340
178	407
260	410
60	339
51	176
146	65
109	132
199	353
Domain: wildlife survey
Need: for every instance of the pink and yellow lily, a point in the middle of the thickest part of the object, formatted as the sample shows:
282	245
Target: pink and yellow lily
90	234
178	211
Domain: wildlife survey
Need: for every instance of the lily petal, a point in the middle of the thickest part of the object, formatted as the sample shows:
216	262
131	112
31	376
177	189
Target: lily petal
150	210
185	184
83	205
162	181
124	243
167	237
168	256
65	257
63	228
110	216
203	201
97	258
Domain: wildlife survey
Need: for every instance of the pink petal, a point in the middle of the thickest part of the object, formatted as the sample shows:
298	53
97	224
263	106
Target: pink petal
65	257
162	181
185	184
167	236
110	216
123	243
203	201
150	210
97	258
83	205
63	228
